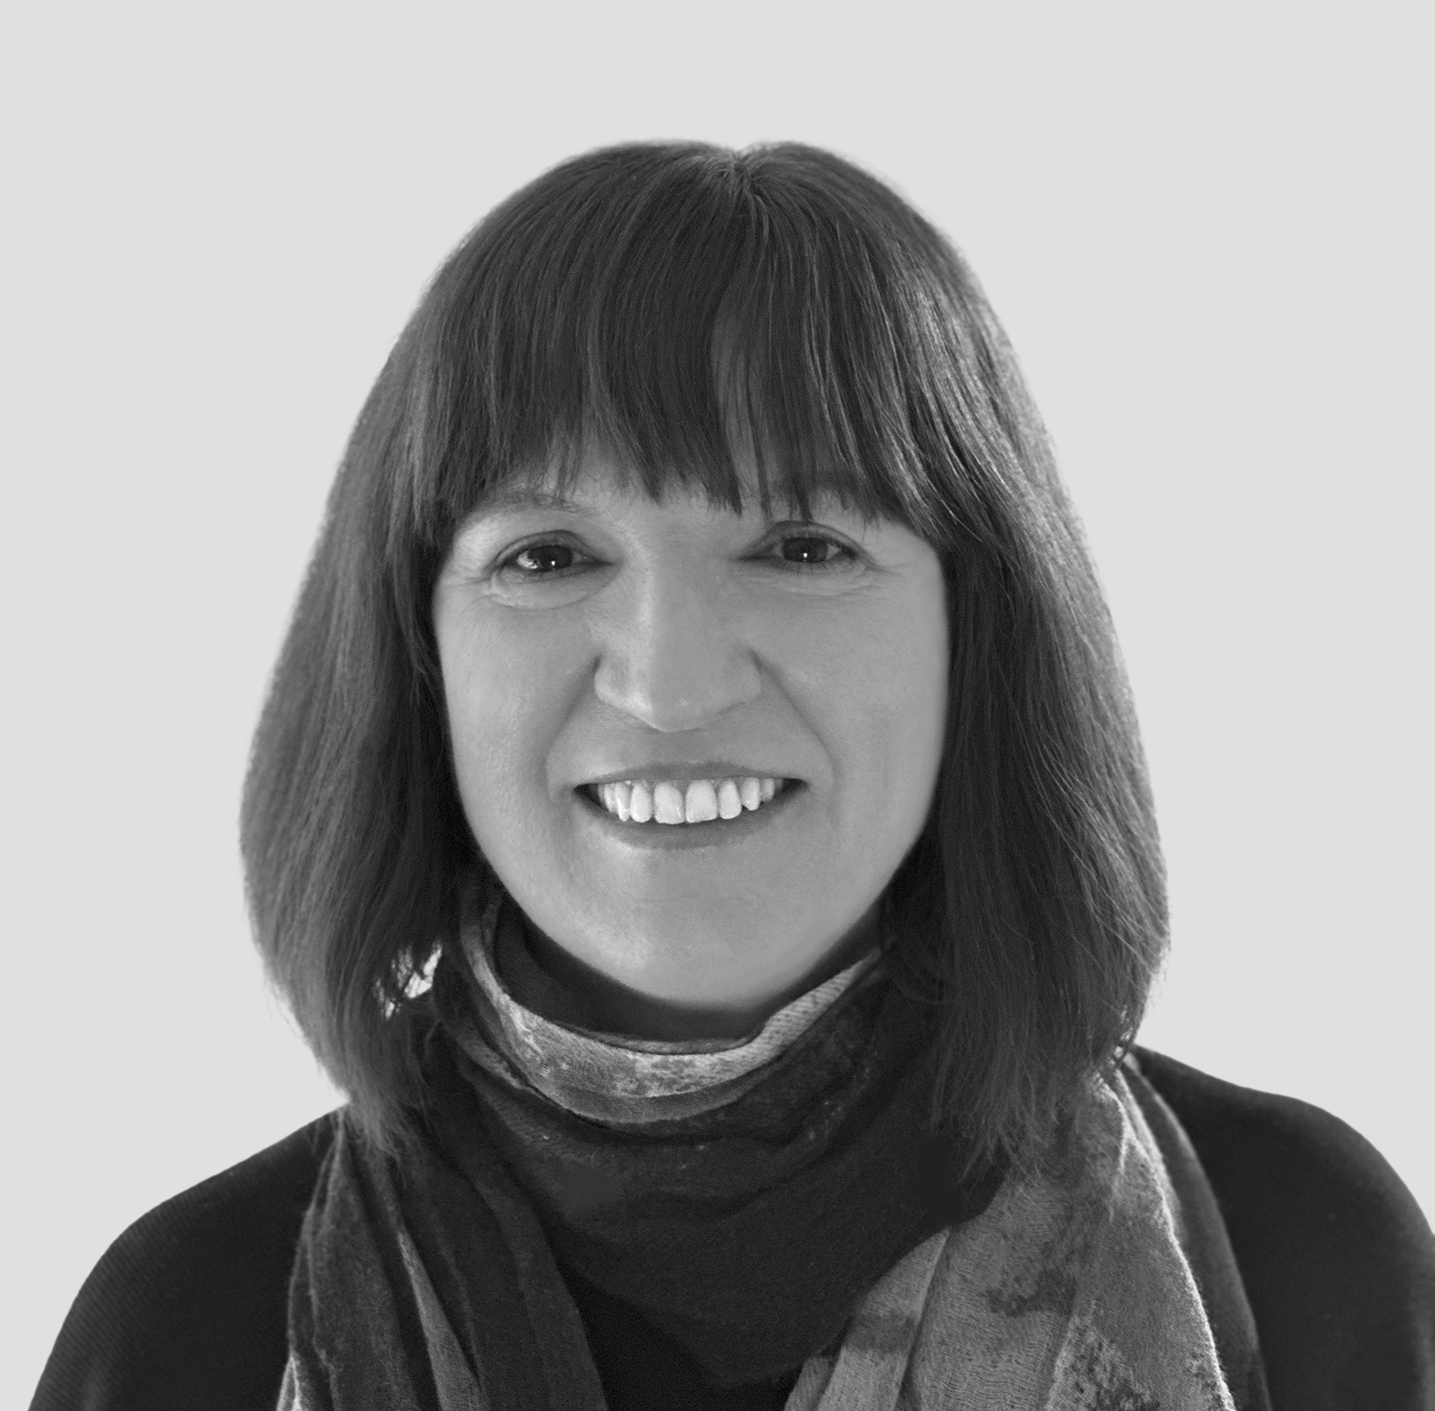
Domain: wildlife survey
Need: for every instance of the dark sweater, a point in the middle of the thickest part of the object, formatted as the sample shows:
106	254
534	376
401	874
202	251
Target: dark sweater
187	1308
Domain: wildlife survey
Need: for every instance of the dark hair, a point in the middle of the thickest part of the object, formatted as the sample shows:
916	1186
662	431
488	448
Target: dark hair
680	303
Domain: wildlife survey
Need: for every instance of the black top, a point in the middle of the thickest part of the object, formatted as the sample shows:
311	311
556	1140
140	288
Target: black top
187	1308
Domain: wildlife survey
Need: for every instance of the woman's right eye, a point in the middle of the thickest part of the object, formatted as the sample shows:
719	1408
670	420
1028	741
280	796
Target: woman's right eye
542	560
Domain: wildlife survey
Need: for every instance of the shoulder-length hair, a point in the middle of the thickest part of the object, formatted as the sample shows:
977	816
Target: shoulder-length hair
681	303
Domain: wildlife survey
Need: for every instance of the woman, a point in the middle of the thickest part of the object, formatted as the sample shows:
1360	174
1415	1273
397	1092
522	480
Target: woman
700	821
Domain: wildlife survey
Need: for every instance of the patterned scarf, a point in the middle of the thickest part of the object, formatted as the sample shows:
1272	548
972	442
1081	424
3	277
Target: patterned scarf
771	1207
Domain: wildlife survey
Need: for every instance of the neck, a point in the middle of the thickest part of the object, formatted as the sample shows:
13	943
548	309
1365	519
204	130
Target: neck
546	979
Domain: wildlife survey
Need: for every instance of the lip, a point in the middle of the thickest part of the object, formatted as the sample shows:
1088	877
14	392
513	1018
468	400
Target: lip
719	832
659	772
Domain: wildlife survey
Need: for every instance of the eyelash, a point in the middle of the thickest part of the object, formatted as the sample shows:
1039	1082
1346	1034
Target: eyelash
843	554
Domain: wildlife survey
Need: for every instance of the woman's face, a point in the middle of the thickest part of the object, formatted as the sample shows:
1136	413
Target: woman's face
609	656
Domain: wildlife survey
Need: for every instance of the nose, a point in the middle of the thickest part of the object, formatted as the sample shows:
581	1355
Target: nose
673	654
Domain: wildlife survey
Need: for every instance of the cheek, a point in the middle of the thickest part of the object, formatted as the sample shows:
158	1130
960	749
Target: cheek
913	670
926	649
896	686
872	686
504	700
894	670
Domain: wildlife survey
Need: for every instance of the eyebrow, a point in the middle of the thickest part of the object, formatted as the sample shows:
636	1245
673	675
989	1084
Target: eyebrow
515	499
527	497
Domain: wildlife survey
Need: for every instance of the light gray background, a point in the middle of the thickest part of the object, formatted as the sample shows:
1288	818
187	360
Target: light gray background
1206	228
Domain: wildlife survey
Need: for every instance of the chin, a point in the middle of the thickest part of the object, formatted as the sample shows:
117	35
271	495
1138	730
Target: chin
667	956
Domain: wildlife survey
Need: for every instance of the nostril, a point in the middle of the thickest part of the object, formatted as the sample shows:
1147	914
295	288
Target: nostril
680	685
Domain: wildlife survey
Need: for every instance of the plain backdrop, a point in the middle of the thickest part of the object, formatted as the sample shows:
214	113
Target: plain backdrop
1206	227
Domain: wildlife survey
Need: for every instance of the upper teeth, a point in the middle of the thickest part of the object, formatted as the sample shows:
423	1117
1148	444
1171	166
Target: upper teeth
701	800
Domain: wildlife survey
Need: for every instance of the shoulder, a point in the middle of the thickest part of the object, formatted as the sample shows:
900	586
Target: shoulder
1336	1257
188	1306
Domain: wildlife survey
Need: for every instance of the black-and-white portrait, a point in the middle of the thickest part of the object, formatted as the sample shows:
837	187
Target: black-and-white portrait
719	708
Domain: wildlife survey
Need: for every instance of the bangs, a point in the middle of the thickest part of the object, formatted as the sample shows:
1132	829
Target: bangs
703	327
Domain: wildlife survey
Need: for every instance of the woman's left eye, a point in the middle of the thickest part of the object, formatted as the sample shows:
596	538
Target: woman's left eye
810	550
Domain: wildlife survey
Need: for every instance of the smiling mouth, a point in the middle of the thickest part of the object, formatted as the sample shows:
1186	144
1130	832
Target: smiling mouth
670	803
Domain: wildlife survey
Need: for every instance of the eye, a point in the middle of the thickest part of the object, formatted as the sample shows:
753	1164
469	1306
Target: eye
546	559
812	550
